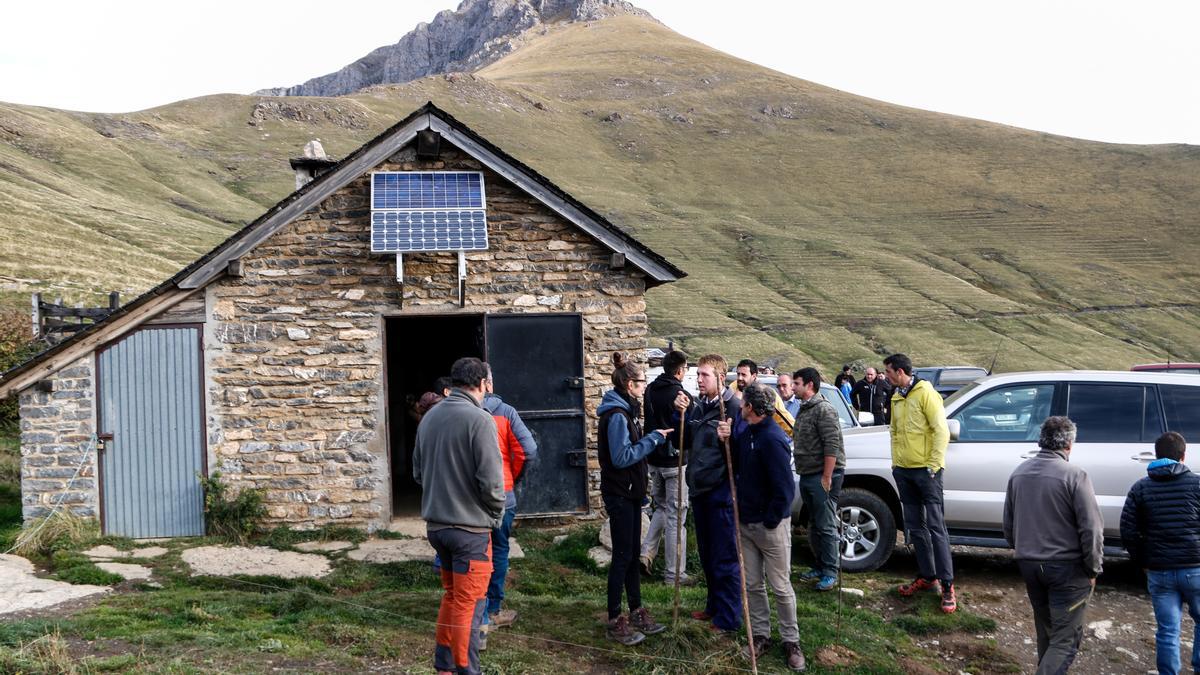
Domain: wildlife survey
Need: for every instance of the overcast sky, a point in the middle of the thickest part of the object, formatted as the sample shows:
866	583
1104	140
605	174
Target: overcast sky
1123	72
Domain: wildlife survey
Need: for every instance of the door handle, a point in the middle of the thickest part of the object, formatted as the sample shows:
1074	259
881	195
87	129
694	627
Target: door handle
1143	456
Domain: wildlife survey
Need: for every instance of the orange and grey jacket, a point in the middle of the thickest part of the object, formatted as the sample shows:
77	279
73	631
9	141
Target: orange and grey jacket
517	447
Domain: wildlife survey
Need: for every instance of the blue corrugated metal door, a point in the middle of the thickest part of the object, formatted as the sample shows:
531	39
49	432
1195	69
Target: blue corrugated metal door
150	403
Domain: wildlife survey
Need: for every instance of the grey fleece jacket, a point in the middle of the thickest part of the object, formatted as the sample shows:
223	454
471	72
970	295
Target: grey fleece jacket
1050	513
457	463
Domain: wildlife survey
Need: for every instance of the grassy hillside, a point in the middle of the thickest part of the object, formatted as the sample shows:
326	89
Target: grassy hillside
816	226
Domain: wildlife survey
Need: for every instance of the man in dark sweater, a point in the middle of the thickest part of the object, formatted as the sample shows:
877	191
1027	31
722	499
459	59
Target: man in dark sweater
665	476
1160	527
1052	520
821	463
711	497
765	491
457	463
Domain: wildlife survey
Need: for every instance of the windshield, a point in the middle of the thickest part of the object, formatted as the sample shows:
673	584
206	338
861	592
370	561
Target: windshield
960	393
845	415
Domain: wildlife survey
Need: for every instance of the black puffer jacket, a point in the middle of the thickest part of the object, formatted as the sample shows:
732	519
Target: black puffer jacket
1160	524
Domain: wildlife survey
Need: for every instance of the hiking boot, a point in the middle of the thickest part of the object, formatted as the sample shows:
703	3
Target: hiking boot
810	576
641	621
793	656
647	566
826	583
701	616
917	585
949	601
761	643
504	617
685	582
619	631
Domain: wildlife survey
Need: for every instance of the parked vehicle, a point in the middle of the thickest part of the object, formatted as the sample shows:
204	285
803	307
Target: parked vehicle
948	379
994	425
1187	368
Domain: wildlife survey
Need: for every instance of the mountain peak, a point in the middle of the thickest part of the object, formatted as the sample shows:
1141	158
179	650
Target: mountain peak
466	39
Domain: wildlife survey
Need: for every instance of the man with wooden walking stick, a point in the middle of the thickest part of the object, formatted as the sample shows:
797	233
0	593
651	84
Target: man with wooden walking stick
764	507
712	494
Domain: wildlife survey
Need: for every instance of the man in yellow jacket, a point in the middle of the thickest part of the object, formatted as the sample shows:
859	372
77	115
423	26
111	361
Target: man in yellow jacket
919	440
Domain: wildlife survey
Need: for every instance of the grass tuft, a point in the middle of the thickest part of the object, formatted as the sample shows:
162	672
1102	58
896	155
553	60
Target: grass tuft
61	530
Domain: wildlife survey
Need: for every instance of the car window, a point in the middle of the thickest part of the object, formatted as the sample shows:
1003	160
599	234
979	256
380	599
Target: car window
1006	414
1152	421
959	376
926	373
1106	413
839	404
1182	407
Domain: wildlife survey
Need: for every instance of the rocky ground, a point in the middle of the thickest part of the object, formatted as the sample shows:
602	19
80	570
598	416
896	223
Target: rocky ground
1120	621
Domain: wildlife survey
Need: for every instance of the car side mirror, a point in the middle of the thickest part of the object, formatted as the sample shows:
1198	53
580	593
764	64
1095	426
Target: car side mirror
865	419
955	428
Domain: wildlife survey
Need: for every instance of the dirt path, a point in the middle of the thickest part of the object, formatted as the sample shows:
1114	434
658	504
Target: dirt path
1120	634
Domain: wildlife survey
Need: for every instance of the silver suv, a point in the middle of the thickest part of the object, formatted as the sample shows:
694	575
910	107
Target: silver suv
994	426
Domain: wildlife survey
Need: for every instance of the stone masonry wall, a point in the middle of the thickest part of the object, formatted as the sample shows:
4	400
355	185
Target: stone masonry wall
294	355
56	429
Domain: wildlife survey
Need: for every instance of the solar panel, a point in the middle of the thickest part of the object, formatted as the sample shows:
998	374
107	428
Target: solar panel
426	190
427	211
404	231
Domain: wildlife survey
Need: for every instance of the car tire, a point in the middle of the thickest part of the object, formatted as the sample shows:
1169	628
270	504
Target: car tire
866	517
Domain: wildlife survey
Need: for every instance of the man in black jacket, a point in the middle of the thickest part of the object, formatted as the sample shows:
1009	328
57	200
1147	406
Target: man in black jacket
872	395
665	477
1160	527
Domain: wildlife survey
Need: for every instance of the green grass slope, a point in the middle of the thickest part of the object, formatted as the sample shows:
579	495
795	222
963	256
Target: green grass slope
816	226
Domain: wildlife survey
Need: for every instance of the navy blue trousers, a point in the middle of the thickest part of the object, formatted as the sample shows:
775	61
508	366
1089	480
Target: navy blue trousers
715	539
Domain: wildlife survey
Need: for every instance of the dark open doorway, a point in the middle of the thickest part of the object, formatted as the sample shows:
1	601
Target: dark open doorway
420	349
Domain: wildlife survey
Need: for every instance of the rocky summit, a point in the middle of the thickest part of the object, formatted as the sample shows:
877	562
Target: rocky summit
477	33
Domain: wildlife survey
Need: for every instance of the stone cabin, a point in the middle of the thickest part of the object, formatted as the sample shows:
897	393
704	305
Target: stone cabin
288	357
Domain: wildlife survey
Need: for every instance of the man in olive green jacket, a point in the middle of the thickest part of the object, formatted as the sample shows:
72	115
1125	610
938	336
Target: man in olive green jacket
919	440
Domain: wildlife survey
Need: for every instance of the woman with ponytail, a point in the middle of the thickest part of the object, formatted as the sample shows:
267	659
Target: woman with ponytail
623	481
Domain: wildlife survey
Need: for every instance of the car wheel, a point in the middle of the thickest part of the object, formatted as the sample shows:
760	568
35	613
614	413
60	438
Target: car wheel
868	530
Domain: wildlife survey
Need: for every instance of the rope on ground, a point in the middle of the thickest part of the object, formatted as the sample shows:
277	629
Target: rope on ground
435	624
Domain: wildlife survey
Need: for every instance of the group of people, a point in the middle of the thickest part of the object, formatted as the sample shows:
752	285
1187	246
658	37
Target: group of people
729	455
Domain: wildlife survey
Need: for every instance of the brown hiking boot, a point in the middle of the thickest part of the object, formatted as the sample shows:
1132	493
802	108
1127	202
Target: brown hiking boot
641	620
761	643
504	617
793	656
619	630
917	585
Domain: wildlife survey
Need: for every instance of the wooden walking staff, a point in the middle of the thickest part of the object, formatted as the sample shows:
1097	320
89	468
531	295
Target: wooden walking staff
737	543
678	518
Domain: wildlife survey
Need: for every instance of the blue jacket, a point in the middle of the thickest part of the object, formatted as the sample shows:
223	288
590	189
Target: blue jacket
764	474
622	454
1160	524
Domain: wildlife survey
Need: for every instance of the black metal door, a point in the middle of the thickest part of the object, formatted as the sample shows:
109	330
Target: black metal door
537	365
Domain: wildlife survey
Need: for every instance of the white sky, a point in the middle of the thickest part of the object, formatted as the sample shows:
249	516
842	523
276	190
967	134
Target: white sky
1118	71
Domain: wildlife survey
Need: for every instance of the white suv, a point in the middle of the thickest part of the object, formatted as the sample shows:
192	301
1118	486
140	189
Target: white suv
994	426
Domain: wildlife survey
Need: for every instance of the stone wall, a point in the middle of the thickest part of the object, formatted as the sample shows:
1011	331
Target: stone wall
56	434
294	353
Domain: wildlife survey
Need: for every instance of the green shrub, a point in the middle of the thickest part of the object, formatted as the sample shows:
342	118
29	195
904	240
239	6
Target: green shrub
234	517
15	347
